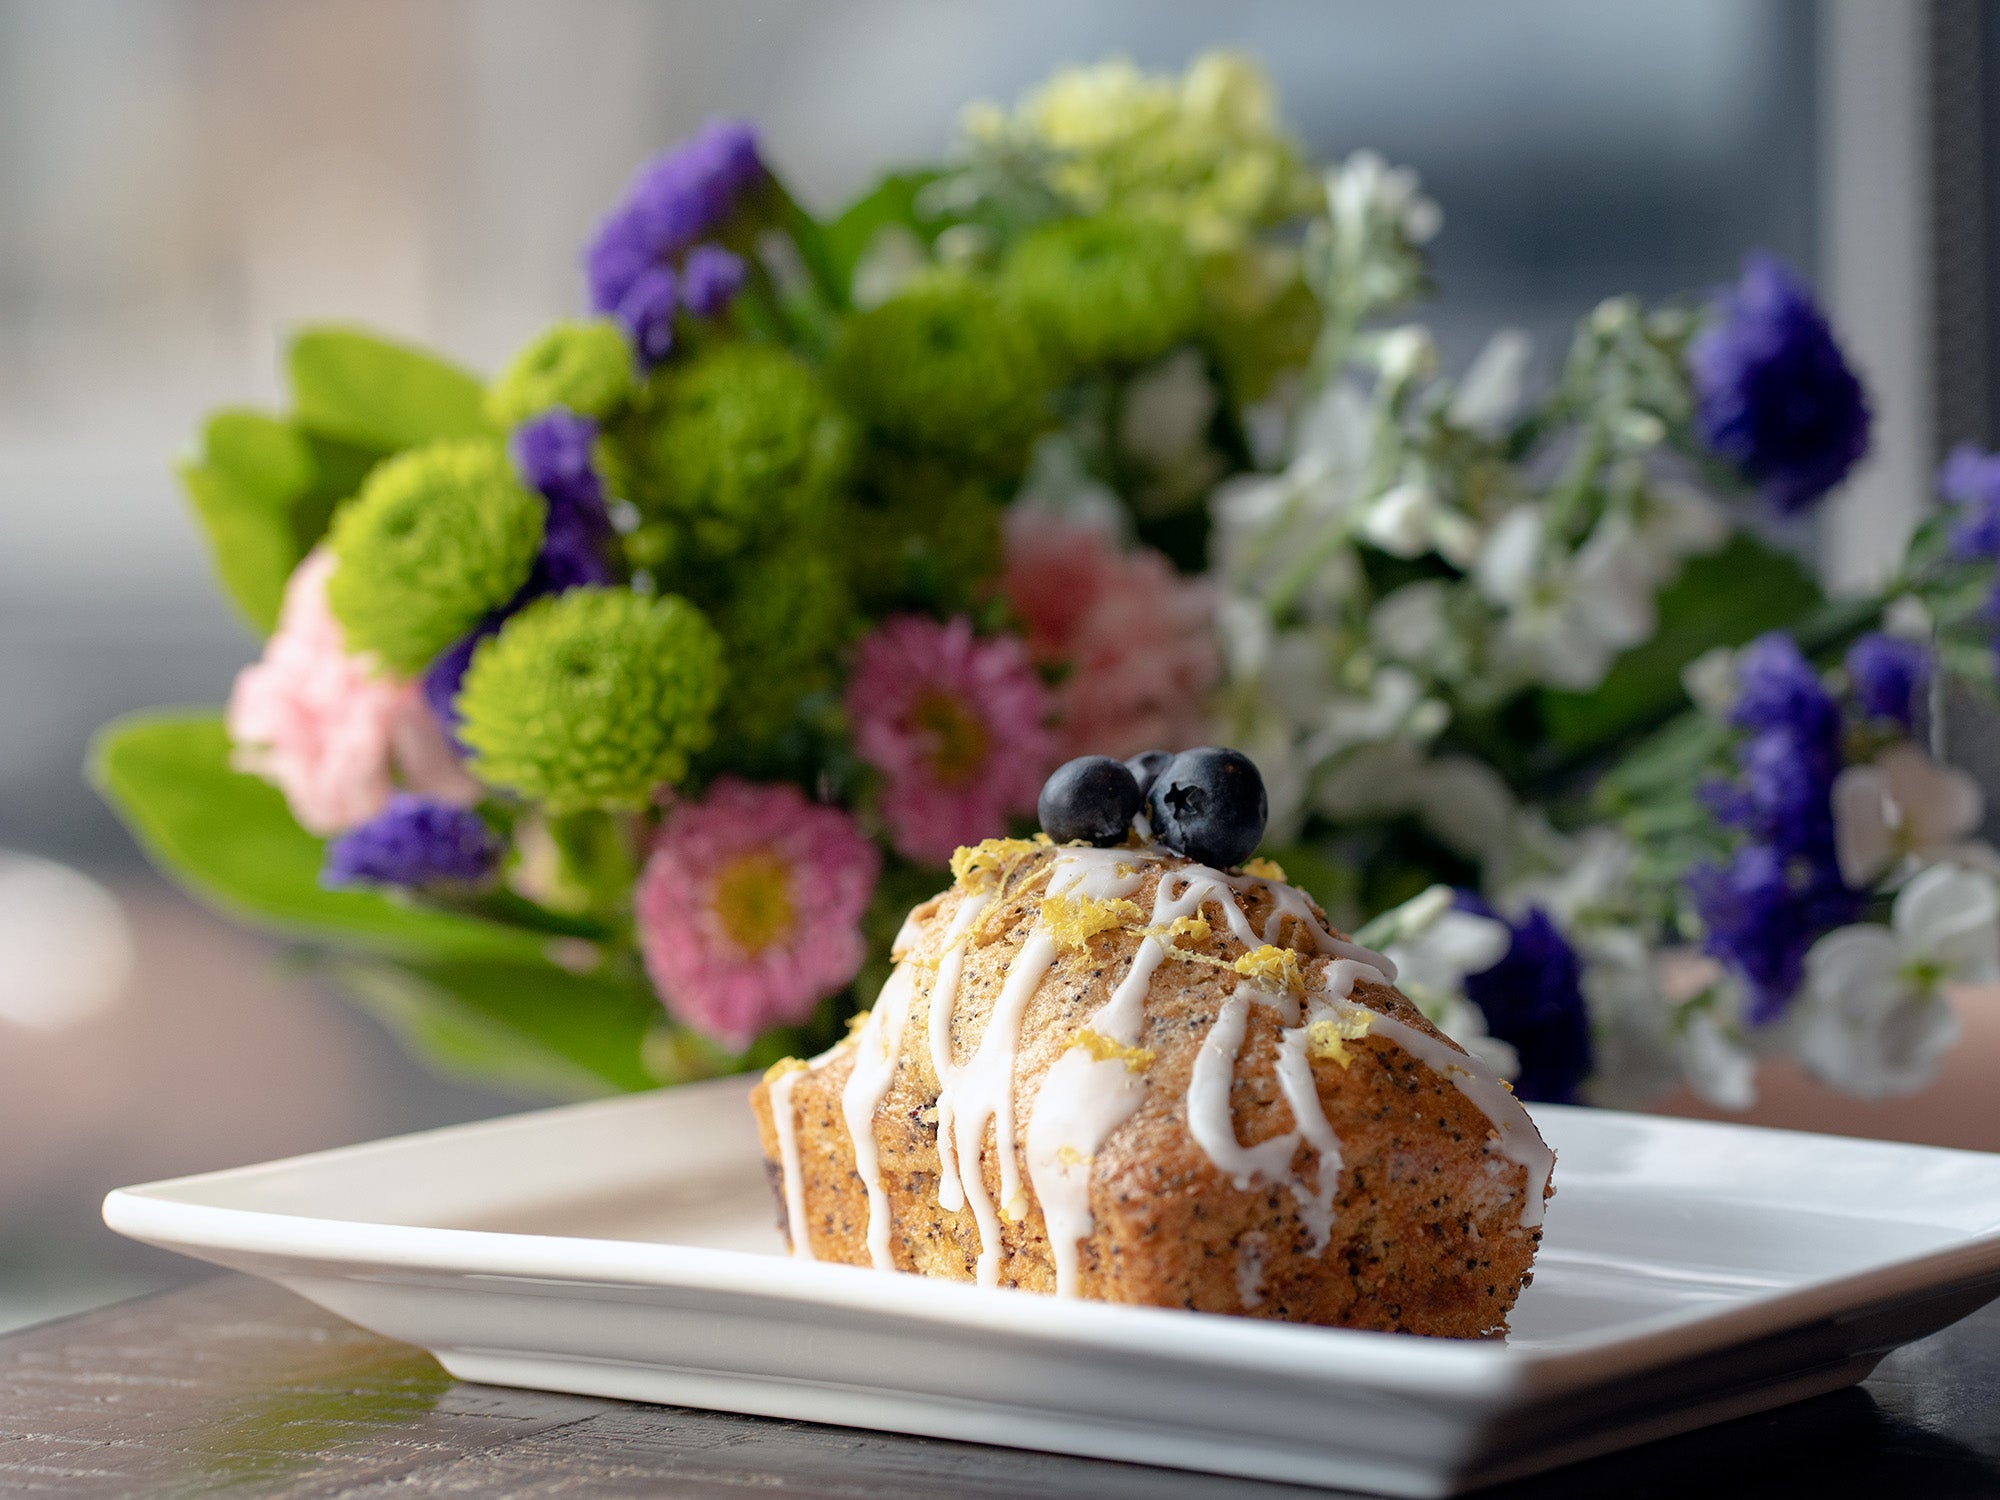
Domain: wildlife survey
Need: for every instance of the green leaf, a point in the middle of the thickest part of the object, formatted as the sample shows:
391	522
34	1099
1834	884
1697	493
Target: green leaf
252	472
892	201
338	470
1668	765
360	389
1723	599
529	1025
230	838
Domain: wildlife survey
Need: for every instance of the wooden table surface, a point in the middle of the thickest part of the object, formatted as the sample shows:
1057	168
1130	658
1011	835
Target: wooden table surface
235	1387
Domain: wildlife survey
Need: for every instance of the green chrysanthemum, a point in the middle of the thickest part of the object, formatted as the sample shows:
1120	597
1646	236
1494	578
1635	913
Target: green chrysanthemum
944	368
437	537
1108	290
739	445
1204	150
1259	318
922	534
586	367
592	698
782	627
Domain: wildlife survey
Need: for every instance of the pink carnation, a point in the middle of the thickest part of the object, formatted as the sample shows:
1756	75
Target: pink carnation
1137	638
326	726
955	725
749	909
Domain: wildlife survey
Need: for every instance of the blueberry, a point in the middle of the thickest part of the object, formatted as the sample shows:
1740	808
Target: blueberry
1092	798
1209	805
1146	767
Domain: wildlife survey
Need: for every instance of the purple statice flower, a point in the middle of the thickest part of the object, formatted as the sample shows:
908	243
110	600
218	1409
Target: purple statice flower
445	676
553	454
1756	924
1970	480
646	313
1533	1000
1788	761
672	202
710	279
1778	689
1886	676
414	842
1773	393
1782	887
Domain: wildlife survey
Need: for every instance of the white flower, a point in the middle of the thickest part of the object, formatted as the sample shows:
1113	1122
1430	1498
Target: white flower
1711	682
1635	1057
1434	946
1378	780
1163	420
1904	806
1473	812
892	257
1163	423
1874	1020
1405	354
1591	882
1489	395
1368	749
1393	706
1268	525
1908	617
1413	624
1365	189
1244	628
1399	520
1677	521
1567	617
1058	480
1465	1023
1409	519
1719	1067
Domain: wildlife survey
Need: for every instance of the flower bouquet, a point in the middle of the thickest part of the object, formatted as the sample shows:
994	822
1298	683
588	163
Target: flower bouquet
613	711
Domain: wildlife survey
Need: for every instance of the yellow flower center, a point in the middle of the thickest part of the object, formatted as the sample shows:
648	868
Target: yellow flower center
958	739
753	899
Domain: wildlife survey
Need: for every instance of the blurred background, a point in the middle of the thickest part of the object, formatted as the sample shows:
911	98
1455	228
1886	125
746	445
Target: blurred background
181	180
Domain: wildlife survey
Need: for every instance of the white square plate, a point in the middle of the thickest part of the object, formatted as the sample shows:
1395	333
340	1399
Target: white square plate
1691	1273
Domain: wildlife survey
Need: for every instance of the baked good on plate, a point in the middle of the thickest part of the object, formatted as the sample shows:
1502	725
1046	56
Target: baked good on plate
1126	1074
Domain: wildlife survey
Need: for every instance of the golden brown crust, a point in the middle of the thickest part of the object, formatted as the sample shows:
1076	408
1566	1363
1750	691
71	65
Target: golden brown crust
1427	1234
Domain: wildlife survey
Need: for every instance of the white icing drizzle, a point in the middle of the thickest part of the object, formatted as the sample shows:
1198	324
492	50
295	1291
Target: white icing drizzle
907	935
785	1120
944	995
1210	1119
1342	973
1518	1140
1084	1098
1295	1081
876	1047
983	1088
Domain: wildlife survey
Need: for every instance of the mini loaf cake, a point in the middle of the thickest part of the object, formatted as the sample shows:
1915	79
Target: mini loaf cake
1120	1073
1109	1069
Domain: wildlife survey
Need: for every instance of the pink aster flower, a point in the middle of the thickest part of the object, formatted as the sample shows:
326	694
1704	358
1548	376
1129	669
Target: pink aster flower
327	727
749	909
1138	639
955	725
